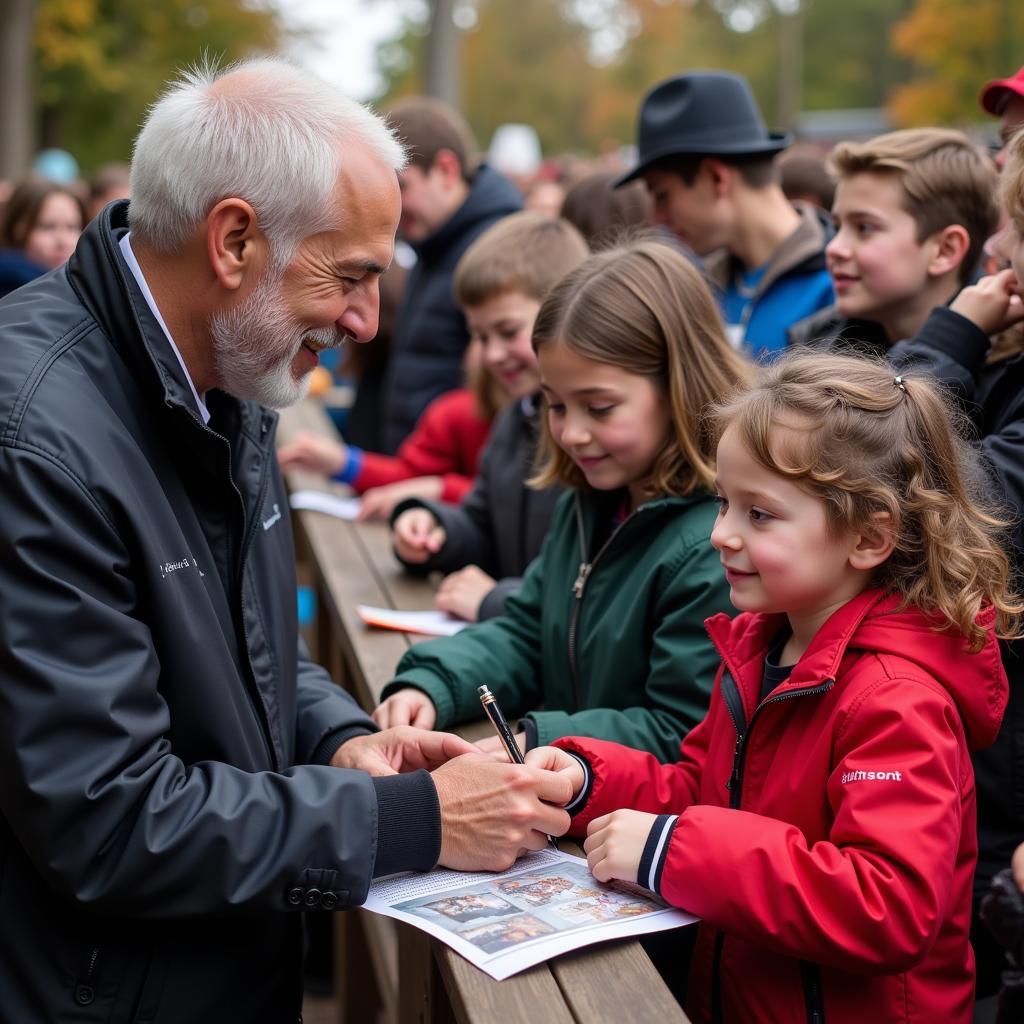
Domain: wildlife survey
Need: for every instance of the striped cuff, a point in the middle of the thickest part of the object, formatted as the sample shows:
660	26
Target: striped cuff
577	803
652	861
352	468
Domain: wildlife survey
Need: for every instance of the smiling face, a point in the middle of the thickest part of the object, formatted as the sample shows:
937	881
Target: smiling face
611	423
878	266
503	326
267	344
774	542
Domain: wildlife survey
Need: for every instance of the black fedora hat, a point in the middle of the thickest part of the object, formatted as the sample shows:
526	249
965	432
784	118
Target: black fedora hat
711	113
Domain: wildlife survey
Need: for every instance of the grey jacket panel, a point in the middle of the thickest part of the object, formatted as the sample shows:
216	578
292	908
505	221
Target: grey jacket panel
501	524
158	824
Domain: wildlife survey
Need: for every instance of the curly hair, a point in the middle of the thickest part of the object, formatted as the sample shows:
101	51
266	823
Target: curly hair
873	446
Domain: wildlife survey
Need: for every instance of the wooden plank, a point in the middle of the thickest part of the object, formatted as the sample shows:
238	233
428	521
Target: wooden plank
638	992
530	996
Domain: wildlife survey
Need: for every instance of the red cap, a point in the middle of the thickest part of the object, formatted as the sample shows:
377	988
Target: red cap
995	94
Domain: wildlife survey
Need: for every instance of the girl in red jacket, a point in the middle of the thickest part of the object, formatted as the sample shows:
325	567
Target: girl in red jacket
821	819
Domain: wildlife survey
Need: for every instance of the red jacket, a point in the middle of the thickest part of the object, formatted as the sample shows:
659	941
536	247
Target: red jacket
447	442
829	853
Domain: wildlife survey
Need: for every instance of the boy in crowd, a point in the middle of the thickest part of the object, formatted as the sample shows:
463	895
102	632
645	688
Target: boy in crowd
486	543
970	348
912	212
709	164
449	199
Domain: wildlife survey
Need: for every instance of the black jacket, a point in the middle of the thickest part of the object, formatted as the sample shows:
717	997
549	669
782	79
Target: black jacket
501	524
430	336
165	803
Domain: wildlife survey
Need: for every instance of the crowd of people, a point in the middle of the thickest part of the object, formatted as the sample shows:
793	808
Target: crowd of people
726	467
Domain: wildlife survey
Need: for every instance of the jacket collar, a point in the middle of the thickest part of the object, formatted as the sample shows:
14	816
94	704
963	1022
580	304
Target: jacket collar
108	289
490	196
803	251
876	623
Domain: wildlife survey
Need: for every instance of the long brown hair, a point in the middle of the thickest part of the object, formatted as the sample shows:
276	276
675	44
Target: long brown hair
865	442
644	308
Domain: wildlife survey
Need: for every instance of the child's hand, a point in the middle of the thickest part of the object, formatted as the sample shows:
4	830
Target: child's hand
993	304
1017	866
380	502
462	592
553	759
314	453
418	535
615	844
406	707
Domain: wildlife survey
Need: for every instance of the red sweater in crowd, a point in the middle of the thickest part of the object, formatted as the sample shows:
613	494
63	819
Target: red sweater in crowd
447	442
825	833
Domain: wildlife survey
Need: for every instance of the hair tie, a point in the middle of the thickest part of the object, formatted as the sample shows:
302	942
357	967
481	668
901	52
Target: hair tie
898	382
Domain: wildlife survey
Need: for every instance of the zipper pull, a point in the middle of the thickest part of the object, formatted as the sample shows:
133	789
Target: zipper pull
734	775
581	580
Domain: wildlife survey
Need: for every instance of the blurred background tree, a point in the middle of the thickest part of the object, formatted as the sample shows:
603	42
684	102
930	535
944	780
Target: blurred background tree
576	69
954	47
100	63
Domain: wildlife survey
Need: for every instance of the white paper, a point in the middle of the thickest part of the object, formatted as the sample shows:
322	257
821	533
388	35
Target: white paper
429	623
322	501
546	904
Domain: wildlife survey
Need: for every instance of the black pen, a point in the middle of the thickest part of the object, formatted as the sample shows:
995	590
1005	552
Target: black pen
508	741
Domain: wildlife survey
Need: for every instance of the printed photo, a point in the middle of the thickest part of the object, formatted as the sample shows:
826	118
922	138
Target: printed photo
470	907
540	890
606	906
493	938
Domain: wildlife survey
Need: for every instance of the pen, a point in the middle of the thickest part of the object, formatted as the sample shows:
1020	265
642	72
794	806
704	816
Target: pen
494	713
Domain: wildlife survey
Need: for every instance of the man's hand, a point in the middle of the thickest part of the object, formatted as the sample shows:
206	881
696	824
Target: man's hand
462	592
491	812
418	535
380	502
406	707
313	453
403	749
993	304
554	759
615	844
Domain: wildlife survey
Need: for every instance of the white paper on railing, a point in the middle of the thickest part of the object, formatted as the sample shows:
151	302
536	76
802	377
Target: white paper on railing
429	623
546	904
322	501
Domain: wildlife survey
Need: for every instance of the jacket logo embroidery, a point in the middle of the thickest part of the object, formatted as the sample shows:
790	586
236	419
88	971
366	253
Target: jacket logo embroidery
188	562
268	523
859	776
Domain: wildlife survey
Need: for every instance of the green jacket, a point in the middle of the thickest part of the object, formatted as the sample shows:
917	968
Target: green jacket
611	643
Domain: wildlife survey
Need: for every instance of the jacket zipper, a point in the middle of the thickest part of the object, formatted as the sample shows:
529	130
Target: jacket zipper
85	990
579	585
810	975
734	704
246	545
263	721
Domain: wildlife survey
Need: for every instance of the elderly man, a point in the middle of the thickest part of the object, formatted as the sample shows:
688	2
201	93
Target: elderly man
177	780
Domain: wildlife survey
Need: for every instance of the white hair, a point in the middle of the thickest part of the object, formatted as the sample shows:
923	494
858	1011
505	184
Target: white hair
275	137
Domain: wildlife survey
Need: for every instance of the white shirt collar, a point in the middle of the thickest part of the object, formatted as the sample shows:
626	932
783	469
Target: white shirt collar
133	266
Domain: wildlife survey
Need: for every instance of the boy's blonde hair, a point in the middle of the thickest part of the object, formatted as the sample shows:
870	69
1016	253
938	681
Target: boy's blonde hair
644	308
945	179
524	252
1011	181
882	449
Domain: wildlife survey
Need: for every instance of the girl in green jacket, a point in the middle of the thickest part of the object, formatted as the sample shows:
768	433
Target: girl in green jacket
606	637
